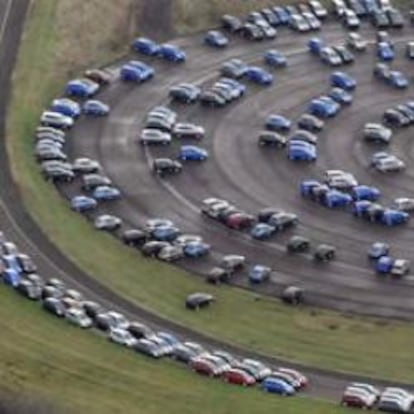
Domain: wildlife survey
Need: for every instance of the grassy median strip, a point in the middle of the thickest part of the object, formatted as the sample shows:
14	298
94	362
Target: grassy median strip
321	338
82	372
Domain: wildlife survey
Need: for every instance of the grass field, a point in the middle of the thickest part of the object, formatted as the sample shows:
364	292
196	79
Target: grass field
83	373
315	337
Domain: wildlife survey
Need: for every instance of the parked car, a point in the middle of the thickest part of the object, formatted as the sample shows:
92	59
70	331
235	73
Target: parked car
81	203
145	46
259	274
172	53
277	386
324	253
192	153
198	300
278	123
56	120
275	59
95	108
216	39
258	75
83	88
163	166
107	222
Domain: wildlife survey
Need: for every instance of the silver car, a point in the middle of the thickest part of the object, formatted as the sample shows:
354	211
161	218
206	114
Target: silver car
188	130
170	253
154	136
107	222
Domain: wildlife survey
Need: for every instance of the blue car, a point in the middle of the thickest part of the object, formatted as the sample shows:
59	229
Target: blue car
10	261
145	46
169	338
392	217
136	71
172	53
259	274
258	75
83	203
385	51
95	108
307	186
215	38
397	79
278	123
365	192
315	45
66	107
196	249
165	233
262	231
301	151
106	193
323	107
360	208
384	264
83	88
11	277
277	386
282	15
343	80
378	249
275	59
336	198
341	96
193	153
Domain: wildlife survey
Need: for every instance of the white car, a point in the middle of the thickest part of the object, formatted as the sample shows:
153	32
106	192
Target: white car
107	222
170	253
154	136
78	317
318	10
404	204
117	319
377	133
163	347
368	387
340	179
220	365
329	56
187	130
400	267
356	42
399	393
152	224
389	164
122	337
86	165
56	120
184	239
368	398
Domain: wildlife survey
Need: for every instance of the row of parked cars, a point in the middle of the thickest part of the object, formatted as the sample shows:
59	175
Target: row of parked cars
263	24
341	189
366	396
18	271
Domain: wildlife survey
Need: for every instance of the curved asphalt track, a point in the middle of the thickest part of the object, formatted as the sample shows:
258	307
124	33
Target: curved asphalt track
253	178
20	228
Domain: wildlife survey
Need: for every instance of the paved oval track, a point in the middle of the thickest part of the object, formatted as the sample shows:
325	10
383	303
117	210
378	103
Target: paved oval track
252	178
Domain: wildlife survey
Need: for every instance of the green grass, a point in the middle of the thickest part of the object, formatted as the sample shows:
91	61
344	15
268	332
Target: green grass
84	373
315	337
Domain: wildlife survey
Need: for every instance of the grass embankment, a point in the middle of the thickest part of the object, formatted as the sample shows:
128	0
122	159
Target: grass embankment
321	338
83	373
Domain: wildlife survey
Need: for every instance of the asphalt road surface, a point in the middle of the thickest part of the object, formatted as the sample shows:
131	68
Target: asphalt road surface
253	178
124	127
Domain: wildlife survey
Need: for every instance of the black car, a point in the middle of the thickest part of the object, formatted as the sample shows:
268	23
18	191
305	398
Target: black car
346	56
293	295
139	330
92	309
218	275
29	289
91	181
271	139
324	253
134	237
395	18
380	19
298	244
103	321
395	118
231	23
162	166
198	300
310	123
152	248
54	306
265	214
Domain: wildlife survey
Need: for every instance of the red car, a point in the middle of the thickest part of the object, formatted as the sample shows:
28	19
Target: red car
303	380
358	398
204	367
238	376
239	221
99	76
